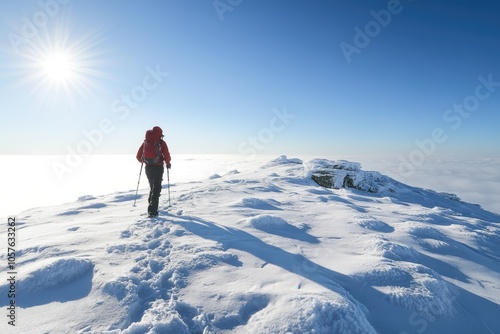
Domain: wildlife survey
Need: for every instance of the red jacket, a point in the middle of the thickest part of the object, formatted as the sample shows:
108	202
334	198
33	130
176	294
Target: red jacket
165	154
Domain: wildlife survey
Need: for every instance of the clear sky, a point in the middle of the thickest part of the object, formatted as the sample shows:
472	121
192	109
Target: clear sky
251	76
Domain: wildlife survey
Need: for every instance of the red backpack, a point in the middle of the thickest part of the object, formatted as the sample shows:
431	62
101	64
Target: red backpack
151	153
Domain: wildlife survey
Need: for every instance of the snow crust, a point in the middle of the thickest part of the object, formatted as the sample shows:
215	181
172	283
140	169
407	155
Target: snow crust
261	251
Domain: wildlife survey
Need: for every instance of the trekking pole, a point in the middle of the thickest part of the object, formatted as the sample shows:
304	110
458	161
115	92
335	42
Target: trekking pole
168	186
140	172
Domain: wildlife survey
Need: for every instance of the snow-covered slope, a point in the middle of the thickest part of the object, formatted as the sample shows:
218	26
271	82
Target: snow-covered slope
266	251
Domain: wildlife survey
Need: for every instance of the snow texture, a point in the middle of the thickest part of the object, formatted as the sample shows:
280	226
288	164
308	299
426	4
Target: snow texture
265	250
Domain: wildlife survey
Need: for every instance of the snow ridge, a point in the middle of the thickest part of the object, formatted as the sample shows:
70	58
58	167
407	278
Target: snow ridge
263	251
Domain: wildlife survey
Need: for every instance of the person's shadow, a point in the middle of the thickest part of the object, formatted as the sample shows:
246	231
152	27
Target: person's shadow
232	238
375	305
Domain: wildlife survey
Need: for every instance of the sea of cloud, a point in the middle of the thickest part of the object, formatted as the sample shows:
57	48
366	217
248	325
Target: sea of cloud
33	181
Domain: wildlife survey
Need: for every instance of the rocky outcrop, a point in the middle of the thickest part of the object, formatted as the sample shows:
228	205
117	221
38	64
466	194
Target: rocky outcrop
338	174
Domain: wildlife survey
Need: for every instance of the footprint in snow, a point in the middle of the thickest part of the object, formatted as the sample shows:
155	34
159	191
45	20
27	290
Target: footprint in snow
125	234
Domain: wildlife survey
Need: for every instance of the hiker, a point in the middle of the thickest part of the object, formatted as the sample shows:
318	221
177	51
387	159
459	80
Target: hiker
154	152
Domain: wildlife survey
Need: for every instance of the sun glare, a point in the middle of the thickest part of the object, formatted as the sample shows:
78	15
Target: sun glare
58	67
61	68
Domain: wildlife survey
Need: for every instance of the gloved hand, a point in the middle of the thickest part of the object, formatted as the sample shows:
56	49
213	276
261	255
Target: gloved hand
169	166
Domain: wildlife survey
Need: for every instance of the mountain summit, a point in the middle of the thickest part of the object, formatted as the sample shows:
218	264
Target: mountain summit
291	247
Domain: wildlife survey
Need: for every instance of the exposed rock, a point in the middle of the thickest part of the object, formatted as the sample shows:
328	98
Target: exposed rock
344	174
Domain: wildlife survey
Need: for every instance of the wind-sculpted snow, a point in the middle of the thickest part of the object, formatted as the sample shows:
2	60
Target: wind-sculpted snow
312	313
53	281
54	274
259	204
263	251
269	223
414	287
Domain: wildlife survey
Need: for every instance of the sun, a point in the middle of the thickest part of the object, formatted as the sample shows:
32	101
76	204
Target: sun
62	69
59	67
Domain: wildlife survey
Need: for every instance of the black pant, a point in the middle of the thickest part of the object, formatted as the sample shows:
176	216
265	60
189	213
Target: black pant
155	176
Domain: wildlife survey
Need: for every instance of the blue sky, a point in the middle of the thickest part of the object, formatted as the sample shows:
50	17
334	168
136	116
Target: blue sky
236	67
